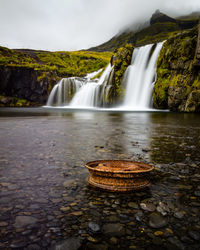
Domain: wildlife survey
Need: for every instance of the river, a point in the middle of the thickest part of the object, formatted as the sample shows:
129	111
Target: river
44	198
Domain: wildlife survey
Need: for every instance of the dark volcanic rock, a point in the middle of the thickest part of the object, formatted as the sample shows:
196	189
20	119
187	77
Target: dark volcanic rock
159	17
25	83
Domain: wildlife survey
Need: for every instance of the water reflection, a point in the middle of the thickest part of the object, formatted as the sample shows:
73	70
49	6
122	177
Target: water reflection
174	137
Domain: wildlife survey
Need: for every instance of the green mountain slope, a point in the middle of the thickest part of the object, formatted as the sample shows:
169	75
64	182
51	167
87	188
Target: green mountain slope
161	27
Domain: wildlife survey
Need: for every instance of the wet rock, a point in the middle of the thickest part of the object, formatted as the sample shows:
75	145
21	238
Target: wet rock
133	205
5	200
23	221
179	215
113	229
194	235
68	183
41	200
92	246
157	221
197	193
33	247
157	241
113	240
148	207
139	216
94	228
18	245
69	244
3	224
175	242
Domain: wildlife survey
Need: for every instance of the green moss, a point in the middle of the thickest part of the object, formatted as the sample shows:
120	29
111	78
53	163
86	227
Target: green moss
77	63
175	69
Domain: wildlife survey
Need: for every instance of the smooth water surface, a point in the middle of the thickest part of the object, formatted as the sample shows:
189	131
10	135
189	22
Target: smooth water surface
44	198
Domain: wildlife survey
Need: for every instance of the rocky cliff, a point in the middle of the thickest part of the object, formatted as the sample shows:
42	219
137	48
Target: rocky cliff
28	76
178	74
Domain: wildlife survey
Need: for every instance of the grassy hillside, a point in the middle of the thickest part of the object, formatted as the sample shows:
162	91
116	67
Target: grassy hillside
77	63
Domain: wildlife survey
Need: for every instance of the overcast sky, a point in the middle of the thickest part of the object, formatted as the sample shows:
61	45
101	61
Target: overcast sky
76	24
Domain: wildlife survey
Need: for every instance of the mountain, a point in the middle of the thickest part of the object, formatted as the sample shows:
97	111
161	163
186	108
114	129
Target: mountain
160	28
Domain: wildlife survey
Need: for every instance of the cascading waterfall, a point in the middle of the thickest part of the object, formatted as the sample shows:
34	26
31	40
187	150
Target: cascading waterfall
93	94
76	92
140	76
64	90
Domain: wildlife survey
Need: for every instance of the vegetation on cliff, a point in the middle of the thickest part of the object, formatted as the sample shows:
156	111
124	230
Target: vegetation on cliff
30	75
178	77
121	60
76	63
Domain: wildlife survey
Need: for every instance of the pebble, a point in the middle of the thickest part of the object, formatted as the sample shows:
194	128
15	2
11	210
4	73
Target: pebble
94	228
3	224
148	207
194	235
157	221
115	229
23	221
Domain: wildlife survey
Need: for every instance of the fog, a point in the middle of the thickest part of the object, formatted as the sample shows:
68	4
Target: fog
76	24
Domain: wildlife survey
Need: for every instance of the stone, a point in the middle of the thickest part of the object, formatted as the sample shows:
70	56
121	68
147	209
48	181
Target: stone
113	229
18	245
23	221
133	205
157	221
64	209
113	240
92	246
179	214
158	233
175	242
77	213
3	224
94	228
194	235
33	247
68	183
148	207
69	244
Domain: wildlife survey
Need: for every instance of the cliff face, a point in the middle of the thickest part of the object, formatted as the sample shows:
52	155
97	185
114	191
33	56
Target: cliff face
28	76
178	75
24	86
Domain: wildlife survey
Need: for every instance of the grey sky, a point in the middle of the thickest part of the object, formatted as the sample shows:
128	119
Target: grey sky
76	24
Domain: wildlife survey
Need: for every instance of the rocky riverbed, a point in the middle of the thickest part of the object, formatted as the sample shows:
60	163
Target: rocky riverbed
45	202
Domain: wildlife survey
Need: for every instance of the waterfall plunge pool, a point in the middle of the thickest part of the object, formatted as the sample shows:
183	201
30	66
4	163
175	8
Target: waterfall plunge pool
43	193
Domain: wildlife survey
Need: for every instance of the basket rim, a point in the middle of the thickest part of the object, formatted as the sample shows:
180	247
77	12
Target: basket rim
148	166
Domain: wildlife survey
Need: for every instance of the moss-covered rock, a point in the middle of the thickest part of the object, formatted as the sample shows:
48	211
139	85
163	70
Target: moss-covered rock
193	102
177	75
120	61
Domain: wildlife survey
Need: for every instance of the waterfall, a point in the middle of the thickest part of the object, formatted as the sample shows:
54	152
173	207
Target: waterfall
94	94
64	90
76	92
140	76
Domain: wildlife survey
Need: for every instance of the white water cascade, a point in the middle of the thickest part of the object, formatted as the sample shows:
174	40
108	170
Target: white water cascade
94	94
140	77
76	92
64	90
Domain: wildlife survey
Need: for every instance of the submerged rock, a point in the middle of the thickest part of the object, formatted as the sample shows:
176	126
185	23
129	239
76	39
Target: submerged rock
69	244
157	221
23	221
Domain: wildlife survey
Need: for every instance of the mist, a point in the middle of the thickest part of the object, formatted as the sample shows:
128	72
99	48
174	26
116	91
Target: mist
77	24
